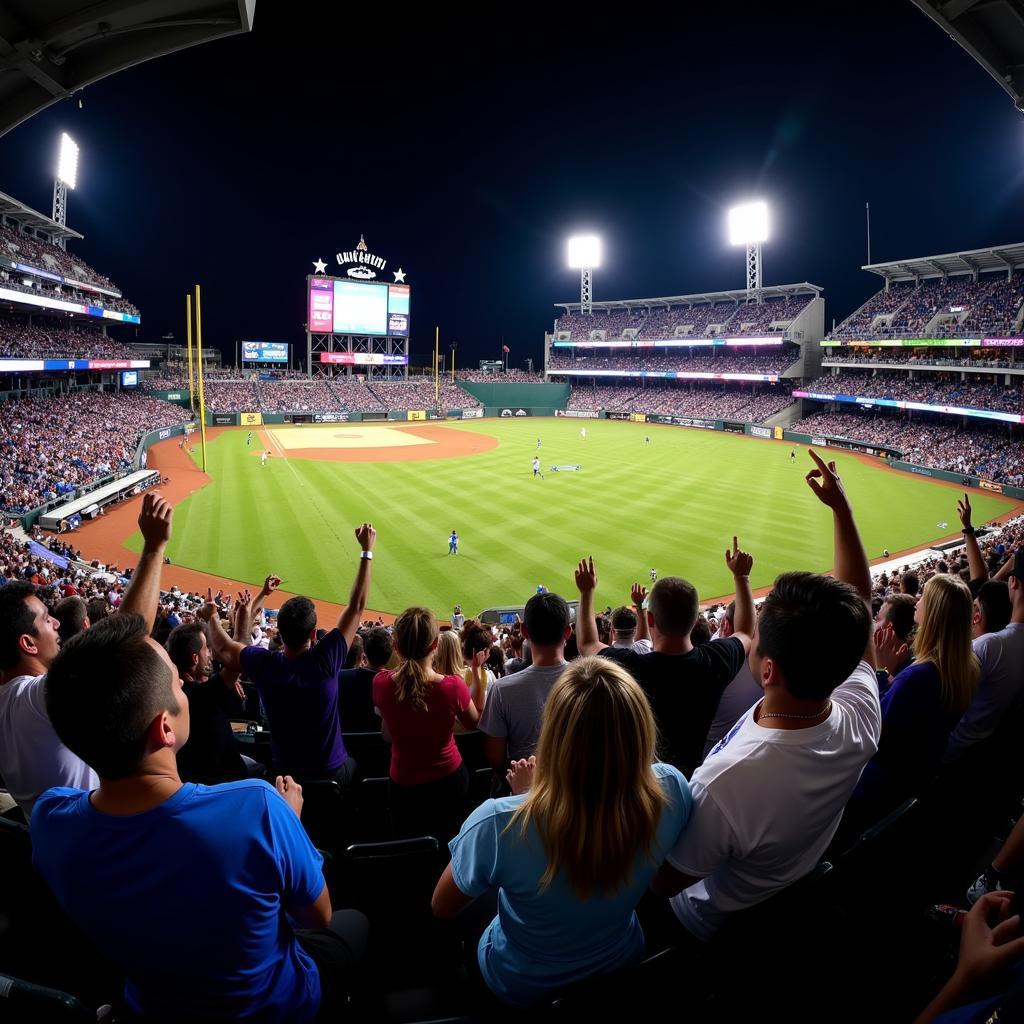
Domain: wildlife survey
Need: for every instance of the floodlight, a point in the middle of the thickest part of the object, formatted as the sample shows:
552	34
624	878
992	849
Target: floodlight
748	223
584	252
67	165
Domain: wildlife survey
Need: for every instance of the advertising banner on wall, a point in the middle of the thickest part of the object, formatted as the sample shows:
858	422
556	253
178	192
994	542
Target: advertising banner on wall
250	419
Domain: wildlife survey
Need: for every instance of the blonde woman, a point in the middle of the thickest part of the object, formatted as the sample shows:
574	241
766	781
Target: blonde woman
573	850
923	702
419	707
448	657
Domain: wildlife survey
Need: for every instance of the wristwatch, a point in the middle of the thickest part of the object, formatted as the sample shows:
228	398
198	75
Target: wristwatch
968	531
366	554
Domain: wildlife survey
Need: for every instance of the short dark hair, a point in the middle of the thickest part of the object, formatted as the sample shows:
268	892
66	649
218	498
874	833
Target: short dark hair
103	691
184	641
910	584
624	620
16	619
701	632
816	629
900	614
378	647
296	620
474	637
729	613
355	651
546	619
674	605
996	606
71	613
96	609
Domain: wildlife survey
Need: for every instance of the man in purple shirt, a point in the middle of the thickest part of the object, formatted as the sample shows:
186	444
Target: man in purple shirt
299	685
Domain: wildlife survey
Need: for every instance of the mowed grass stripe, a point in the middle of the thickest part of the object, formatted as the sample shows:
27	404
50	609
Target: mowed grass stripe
672	506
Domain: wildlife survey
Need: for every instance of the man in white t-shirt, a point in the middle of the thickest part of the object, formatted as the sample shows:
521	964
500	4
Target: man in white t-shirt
1001	688
32	758
769	797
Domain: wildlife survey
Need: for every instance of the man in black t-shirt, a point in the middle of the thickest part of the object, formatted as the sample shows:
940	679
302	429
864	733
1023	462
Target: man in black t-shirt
211	754
682	682
355	685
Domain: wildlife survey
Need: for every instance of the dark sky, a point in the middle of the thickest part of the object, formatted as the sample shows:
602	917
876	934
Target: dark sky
467	147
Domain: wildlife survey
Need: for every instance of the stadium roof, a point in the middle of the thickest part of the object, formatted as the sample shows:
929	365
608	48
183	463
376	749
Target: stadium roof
991	31
998	257
26	215
738	295
50	49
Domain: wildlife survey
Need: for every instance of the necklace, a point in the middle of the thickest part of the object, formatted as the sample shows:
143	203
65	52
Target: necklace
779	714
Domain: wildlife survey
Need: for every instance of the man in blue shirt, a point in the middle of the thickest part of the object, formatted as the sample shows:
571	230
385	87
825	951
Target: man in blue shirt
148	867
453	544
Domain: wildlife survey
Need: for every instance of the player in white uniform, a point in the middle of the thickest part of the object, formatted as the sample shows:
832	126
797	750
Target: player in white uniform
536	467
583	433
263	458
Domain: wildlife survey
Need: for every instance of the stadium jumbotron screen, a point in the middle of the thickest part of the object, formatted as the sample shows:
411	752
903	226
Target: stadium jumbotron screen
265	351
341	306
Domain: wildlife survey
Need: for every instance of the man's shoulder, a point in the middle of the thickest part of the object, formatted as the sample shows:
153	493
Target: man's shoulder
529	676
57	801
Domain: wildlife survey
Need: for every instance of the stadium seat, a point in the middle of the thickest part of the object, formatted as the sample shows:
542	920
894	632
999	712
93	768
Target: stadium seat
371	818
371	751
324	813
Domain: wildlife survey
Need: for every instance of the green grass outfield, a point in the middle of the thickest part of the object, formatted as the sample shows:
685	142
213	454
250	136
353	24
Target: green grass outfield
672	506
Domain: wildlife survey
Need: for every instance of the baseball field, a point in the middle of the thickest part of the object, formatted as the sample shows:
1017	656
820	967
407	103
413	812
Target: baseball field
671	504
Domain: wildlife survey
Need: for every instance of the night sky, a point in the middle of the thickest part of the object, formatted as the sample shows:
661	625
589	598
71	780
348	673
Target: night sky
466	152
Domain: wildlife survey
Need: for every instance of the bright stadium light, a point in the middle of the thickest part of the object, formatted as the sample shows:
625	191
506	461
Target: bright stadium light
748	226
584	252
67	164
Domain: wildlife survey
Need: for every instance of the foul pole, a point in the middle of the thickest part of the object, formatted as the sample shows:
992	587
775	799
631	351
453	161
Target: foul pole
188	347
199	361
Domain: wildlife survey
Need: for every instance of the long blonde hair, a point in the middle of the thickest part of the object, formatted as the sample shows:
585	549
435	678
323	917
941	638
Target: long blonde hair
414	636
594	799
448	656
944	638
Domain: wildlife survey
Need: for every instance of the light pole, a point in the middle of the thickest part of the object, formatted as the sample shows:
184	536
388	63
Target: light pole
584	255
67	175
748	226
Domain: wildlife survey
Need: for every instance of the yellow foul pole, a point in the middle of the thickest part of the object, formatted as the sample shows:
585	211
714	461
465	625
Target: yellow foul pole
453	366
188	347
437	366
199	362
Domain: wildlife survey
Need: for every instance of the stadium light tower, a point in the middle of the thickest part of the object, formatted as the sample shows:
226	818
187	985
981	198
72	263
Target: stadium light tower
584	256
67	176
748	225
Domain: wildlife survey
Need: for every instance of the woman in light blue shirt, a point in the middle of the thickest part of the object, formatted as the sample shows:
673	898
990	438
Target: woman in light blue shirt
571	853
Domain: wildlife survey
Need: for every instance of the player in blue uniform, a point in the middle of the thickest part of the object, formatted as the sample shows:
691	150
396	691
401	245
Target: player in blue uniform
453	544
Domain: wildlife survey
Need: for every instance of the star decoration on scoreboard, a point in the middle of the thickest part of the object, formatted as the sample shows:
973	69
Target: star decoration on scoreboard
319	266
399	276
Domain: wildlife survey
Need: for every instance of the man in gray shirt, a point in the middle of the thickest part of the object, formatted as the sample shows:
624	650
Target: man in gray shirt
515	704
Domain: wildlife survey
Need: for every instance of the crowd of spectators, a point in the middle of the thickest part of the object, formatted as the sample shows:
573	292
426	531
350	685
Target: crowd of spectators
774	361
773	316
938	389
967	308
37	252
45	340
655	774
705	402
53	445
509	376
979	359
992	451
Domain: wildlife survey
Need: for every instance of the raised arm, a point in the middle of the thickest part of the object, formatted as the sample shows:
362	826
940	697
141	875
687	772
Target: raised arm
227	651
587	640
348	623
143	594
270	584
851	561
638	594
739	564
975	560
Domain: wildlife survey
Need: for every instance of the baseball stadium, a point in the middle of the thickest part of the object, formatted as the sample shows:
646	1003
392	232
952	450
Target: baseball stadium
617	646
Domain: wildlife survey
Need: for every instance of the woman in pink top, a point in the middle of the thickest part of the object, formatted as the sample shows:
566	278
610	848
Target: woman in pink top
419	708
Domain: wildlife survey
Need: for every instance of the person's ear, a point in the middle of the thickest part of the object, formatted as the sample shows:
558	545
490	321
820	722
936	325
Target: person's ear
568	633
161	732
770	674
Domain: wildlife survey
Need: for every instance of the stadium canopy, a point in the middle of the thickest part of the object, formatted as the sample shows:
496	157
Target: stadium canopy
50	49
991	31
777	291
33	218
974	261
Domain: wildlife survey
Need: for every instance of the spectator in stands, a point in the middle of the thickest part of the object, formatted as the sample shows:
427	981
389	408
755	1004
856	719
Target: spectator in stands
572	851
448	656
992	609
32	757
769	797
210	755
148	866
739	696
298	685
923	702
476	649
357	708
73	616
511	719
909	584
894	625
1001	657
419	708
683	683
